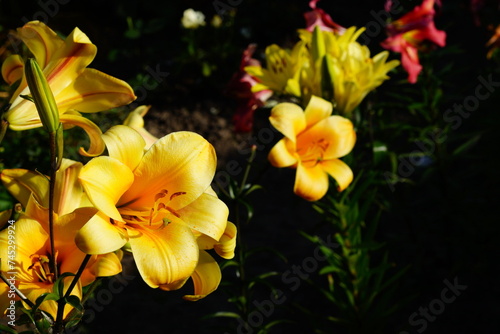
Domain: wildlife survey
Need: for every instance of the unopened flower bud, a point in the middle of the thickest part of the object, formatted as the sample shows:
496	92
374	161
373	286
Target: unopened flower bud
42	95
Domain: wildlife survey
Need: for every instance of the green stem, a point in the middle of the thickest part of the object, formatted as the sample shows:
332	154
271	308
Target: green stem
58	328
247	169
52	183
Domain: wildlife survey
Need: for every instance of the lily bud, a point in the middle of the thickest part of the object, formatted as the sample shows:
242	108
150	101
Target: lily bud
318	46
327	82
42	95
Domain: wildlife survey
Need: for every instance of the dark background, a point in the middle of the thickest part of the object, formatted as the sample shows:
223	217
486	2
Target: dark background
444	225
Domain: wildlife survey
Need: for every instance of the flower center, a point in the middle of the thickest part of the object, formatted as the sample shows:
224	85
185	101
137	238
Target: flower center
40	268
157	217
313	153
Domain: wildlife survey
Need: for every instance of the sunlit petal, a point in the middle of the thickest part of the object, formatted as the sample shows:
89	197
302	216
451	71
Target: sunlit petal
206	277
283	154
100	236
316	110
93	131
165	257
336	131
289	119
42	41
227	243
181	162
207	214
94	91
21	183
340	171
12	69
136	121
105	179
68	189
124	144
311	183
101	266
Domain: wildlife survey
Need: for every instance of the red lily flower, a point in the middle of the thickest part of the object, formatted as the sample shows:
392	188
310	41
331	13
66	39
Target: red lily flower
408	33
240	87
318	17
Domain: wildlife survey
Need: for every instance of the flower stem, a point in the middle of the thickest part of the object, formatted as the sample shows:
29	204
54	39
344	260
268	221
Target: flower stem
53	170
58	327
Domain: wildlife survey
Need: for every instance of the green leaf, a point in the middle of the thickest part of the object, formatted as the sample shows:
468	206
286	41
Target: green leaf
467	145
75	302
7	330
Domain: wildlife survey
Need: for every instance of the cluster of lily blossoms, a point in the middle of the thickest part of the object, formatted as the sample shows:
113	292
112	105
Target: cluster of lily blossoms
148	196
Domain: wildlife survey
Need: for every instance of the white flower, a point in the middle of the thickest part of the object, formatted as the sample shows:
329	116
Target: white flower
192	19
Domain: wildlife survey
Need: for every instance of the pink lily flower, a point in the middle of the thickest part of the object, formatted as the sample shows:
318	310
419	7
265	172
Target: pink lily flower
318	17
409	32
240	87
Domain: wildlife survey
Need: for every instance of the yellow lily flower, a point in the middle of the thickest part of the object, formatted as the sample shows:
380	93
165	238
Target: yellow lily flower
68	196
158	201
353	73
282	74
313	143
30	262
72	210
75	87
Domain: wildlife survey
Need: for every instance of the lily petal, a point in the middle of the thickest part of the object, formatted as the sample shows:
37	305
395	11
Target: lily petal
12	69
340	171
165	257
101	266
335	130
105	179
69	61
21	183
125	144
311	183
136	121
207	214
316	110
206	277
99	236
281	155
69	191
227	243
94	91
97	145
42	41
289	119
181	162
